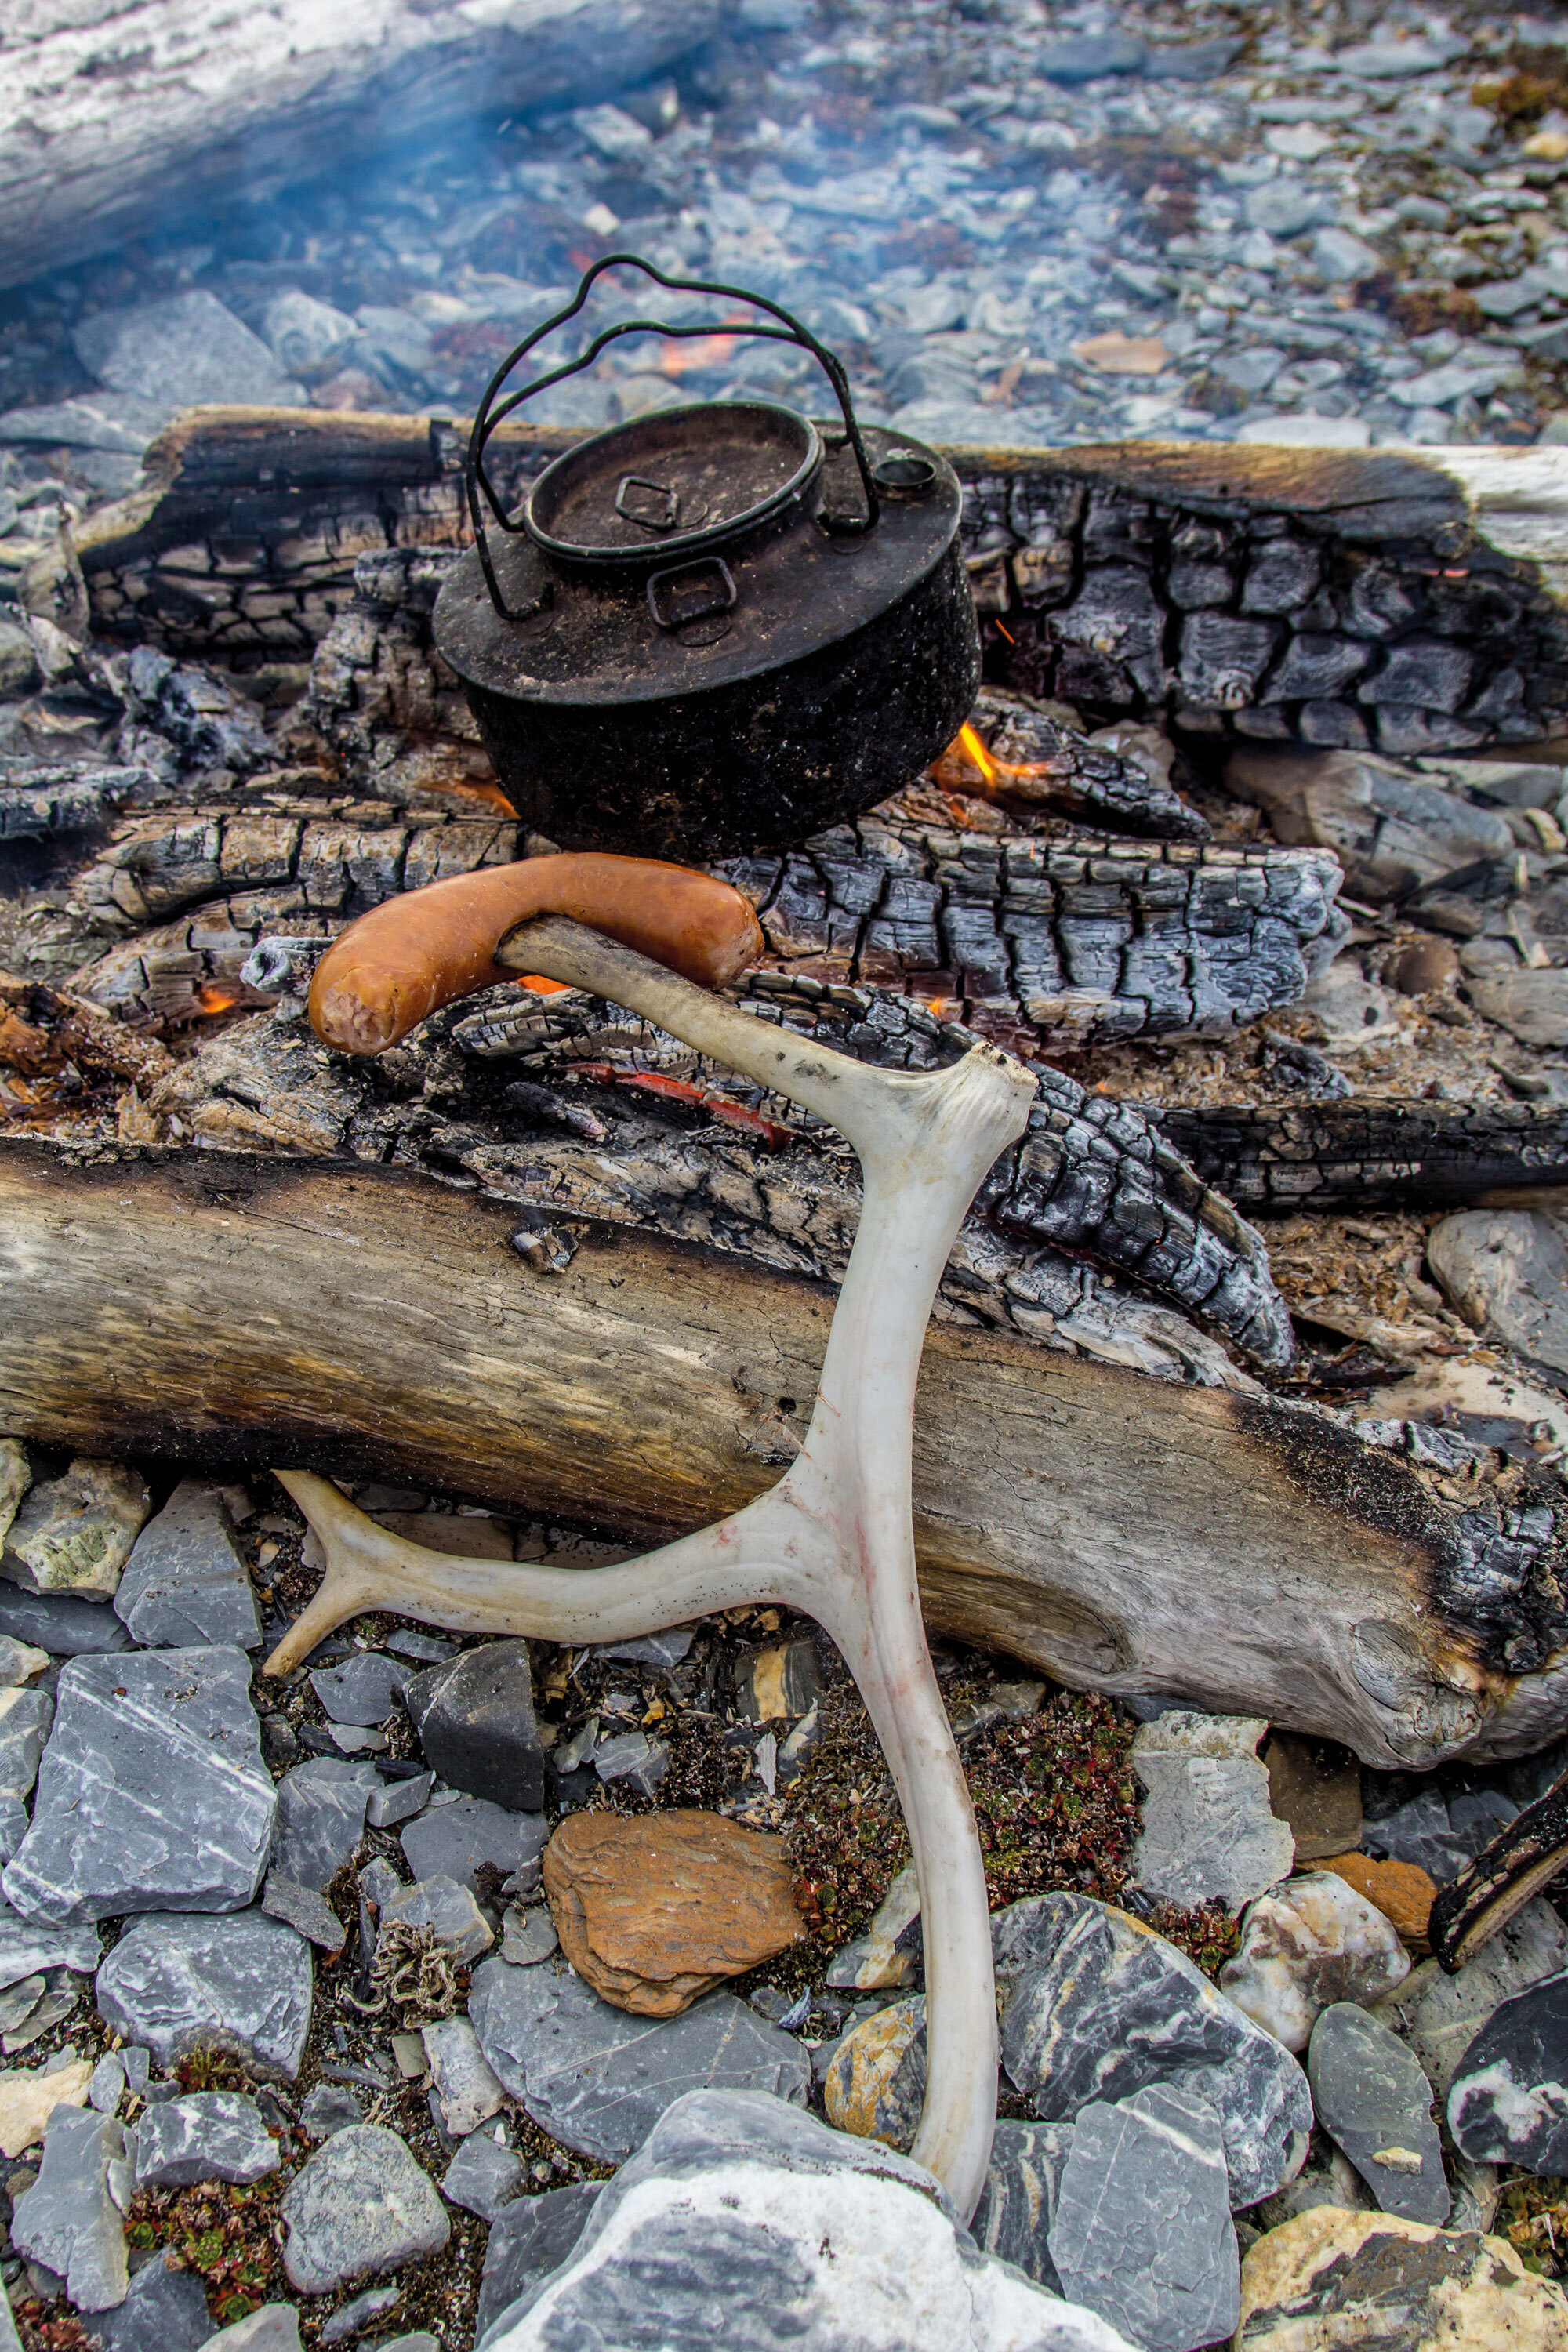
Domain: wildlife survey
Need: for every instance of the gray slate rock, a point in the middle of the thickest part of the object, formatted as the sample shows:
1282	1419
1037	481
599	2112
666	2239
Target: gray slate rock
448	1910
186	349
1506	1272
107	2087
60	1623
329	2107
398	1800
363	1689
361	2205
164	2310
352	2316
304	1910
274	2328
527	1936
1142	2233
454	1841
1208	1828
598	2079
1018	2202
1439	2015
466	2092
483	2177
320	1817
1420	1832
1097	2006
746	2222
186	1583
1375	2104
1508	2102
526	2241
69	2220
210	2136
25	1719
151	1794
184	1981
474	1717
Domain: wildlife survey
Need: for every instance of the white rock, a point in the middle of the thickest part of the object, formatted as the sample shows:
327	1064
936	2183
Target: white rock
1308	1945
75	1534
28	2098
467	2088
1208	1828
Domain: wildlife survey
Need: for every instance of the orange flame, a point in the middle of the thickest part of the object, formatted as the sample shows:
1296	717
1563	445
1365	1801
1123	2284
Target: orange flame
700	351
541	986
216	1000
967	766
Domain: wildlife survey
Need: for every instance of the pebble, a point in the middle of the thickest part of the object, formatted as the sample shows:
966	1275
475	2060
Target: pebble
527	1936
1208	1831
27	1946
352	2316
876	2080
107	2087
1373	2279
19	1662
889	1954
634	1758
596	2079
186	1583
1508	2102
781	1682
1402	1891
1312	1942
60	1623
1095	2005
528	2240
69	2220
1141	2233
29	2097
303	1909
210	2136
361	2204
658	1909
320	1817
1420	1832
363	1689
455	1841
742	2215
1374	2100
466	2088
1439	2015
475	1720
73	1535
274	2328
188	348
329	2107
398	1800
1314	1787
238	1983
152	1795
447	1909
164	2310
1531	1005
1506	1272
483	2177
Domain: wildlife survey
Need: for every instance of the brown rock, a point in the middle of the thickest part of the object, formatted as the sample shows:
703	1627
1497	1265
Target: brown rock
1402	1891
655	1909
1332	2281
1315	1785
1424	965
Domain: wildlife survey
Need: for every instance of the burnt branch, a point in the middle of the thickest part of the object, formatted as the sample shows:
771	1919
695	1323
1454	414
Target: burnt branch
1523	1860
1368	1152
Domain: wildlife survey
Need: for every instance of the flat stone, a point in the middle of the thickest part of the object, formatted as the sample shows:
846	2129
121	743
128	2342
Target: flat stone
363	1689
60	1623
152	1795
19	1662
164	2310
74	1533
1314	1787
447	1909
418	2339
25	1719
1372	2099
779	1683
888	1955
398	1800
666	1649
744	2219
529	2240
187	1582
1508	2102
876	2080
303	1909
1090	56
361	2205
410	1643
527	1936
186	349
274	2328
107	2087
1531	1005
62	1993
634	1758
1013	2219
1095	2005
1439	2015
27	1946
1506	1272
482	2178
377	1881
18	2000
658	1909
349	2317
320	1817
187	1981
1208	1828
598	2080
466	2087
28	2098
455	1840
1141	2233
475	1720
1372	2280
69	2220
1312	1942
209	2135
1419	1832
1402	1891
329	2107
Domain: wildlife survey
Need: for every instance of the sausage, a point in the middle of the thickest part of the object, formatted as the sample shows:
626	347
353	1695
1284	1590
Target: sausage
412	954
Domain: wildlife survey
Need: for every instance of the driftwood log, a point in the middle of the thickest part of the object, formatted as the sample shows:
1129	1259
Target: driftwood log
1414	599
113	114
1369	1152
1123	1534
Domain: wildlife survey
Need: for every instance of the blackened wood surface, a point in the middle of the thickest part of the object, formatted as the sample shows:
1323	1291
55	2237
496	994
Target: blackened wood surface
1367	1153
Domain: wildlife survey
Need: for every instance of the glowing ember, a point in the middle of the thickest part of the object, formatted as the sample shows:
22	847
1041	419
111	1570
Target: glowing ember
541	986
700	351
968	766
216	1000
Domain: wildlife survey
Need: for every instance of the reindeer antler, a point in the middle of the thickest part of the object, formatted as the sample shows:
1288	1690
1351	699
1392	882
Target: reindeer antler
835	1538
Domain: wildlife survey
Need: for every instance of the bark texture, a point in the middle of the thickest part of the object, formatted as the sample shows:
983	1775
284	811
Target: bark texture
1123	1534
116	112
1368	1152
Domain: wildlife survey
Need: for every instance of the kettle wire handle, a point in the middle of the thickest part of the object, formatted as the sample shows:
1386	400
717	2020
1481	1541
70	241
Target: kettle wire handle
493	409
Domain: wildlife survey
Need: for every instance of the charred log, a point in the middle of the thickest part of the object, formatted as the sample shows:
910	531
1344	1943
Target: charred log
1367	1152
1523	1860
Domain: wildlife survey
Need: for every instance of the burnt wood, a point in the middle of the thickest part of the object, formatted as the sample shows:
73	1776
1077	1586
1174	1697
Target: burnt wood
1367	1151
1123	1534
1523	1860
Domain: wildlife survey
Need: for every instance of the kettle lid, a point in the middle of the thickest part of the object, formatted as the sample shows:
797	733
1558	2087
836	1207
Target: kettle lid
673	482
